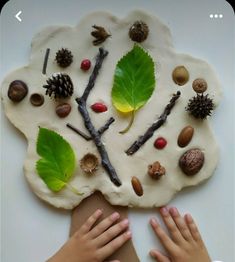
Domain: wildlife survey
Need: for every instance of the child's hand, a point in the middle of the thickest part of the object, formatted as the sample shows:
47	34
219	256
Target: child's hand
94	243
185	243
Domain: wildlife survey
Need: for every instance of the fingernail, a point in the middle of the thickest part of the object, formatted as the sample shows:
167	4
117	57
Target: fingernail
152	253
128	234
174	211
115	216
98	212
153	222
164	211
125	222
189	218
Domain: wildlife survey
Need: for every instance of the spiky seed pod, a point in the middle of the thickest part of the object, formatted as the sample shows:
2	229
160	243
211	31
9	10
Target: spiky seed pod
59	85
64	57
200	106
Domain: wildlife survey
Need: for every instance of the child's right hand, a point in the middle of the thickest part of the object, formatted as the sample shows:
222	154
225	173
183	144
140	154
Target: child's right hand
185	243
94	242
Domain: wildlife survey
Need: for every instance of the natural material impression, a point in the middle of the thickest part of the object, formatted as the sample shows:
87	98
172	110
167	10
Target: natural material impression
134	82
98	133
58	161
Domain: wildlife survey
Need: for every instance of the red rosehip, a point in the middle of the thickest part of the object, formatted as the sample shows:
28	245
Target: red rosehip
160	143
85	64
99	108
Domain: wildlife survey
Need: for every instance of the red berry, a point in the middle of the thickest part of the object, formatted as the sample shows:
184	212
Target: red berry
99	108
85	64
160	143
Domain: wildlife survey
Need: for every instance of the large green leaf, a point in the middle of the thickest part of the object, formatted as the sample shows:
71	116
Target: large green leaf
58	162
134	82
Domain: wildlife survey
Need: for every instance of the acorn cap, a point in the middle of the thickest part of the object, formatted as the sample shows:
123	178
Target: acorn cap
89	163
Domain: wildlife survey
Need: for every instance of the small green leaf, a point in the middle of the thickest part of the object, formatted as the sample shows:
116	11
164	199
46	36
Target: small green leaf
58	162
134	82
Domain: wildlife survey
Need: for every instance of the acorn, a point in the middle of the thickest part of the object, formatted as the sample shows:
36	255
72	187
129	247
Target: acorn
139	31
59	85
200	106
89	163
180	75
64	57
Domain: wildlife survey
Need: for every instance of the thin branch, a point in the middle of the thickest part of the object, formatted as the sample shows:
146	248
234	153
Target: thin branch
79	132
150	131
95	135
106	126
100	131
99	60
44	69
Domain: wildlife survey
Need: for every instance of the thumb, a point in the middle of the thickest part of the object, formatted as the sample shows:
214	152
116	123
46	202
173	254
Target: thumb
159	256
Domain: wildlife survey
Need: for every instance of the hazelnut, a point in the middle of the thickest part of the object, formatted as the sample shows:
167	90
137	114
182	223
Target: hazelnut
156	171
199	85
63	110
180	75
191	161
139	31
37	99
17	91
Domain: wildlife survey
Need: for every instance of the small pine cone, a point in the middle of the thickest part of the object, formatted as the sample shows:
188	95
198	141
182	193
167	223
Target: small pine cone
200	106
64	57
60	85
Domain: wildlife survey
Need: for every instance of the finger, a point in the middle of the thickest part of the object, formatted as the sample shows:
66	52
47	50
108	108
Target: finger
104	224
114	245
112	232
159	256
169	245
193	227
180	223
171	225
86	227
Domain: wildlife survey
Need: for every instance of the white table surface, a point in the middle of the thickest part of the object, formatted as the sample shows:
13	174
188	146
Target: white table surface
31	230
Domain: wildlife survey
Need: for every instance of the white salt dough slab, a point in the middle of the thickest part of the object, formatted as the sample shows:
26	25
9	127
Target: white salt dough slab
27	118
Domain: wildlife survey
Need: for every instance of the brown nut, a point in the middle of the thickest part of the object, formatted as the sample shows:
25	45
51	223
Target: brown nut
17	90
199	85
185	136
156	171
191	161
137	186
180	75
63	110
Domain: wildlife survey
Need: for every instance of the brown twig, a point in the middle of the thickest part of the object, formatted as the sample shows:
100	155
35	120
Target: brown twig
150	131
44	69
100	131
95	135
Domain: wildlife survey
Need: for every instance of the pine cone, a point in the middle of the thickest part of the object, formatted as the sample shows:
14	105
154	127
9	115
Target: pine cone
64	57
60	85
200	106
